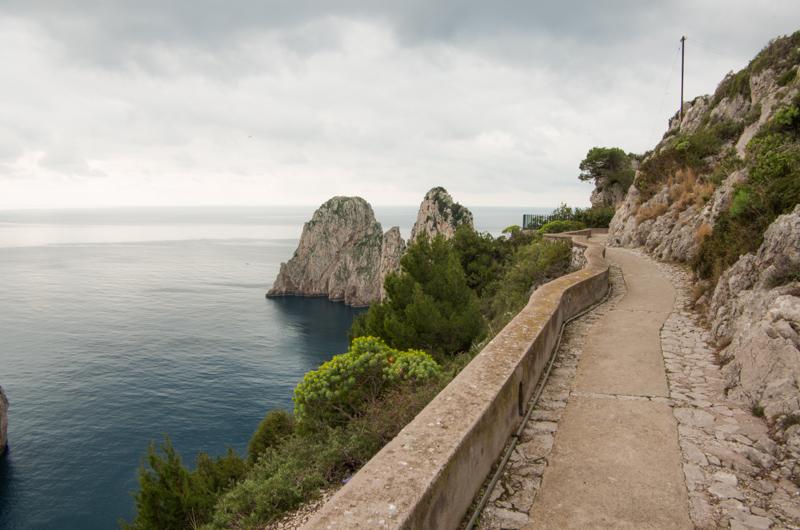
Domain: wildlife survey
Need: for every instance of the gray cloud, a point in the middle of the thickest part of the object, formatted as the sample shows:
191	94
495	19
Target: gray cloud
145	102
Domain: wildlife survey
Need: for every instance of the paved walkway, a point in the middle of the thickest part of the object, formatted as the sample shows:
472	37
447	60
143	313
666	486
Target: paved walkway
633	429
616	461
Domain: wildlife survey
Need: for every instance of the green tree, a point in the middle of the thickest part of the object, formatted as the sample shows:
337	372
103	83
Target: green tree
276	425
609	163
480	256
172	497
429	304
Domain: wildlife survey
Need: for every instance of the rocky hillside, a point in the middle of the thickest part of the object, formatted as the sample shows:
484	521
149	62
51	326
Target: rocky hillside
341	255
720	192
3	421
440	214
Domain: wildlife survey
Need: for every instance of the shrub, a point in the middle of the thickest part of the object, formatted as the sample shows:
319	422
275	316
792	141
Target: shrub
729	163
608	163
741	203
512	229
531	266
787	77
555	227
595	217
340	389
172	497
429	304
734	84
772	188
702	232
687	151
650	211
276	425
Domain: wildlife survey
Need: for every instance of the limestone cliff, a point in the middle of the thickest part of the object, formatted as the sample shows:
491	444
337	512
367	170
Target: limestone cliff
3	421
755	309
338	255
439	214
607	194
343	255
391	252
701	174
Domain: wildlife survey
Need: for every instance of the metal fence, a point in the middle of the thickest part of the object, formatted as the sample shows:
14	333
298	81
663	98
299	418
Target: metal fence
532	221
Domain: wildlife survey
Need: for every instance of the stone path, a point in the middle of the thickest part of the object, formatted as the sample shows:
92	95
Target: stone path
633	429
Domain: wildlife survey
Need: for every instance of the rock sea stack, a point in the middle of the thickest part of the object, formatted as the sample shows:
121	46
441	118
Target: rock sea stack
341	255
440	214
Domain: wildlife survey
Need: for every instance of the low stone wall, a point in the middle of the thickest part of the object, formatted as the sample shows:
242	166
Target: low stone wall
428	475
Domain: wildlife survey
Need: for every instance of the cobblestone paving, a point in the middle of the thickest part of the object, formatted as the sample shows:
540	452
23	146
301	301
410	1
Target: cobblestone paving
736	476
513	495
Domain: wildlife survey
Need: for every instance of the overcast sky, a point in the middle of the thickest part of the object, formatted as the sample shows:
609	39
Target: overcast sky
183	102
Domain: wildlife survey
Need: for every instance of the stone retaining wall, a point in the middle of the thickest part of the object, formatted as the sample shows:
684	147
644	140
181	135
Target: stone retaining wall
428	475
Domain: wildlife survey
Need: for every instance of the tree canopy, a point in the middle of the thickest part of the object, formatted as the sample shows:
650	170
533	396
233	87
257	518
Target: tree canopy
430	305
609	163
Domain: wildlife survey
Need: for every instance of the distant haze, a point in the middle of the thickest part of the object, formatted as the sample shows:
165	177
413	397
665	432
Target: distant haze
144	102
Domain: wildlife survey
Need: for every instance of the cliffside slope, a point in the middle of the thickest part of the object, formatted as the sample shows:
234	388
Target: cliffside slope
720	192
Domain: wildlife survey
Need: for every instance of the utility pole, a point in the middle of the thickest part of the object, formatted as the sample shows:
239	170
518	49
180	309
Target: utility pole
683	45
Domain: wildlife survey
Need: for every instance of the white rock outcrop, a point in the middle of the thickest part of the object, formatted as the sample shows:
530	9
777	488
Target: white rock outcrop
440	214
340	255
755	309
391	252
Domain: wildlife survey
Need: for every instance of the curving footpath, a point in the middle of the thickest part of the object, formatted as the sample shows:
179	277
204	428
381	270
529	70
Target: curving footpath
616	460
634	430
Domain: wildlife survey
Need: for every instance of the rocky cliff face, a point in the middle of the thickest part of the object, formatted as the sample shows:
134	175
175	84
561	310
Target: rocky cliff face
607	194
754	309
391	252
439	214
339	255
3	422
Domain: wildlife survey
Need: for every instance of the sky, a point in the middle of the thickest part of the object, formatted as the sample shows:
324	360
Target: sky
107	103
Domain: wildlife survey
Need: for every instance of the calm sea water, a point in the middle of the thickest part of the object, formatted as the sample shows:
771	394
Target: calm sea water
117	326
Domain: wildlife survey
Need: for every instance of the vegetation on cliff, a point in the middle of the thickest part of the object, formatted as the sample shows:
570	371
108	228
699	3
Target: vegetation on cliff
450	296
429	305
723	173
771	189
611	164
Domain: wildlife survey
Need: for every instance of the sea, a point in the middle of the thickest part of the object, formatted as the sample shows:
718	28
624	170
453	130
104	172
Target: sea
121	326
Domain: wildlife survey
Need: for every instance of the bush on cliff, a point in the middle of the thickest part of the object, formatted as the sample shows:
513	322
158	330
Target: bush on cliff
554	227
693	151
342	388
595	217
531	266
609	165
172	497
276	425
429	304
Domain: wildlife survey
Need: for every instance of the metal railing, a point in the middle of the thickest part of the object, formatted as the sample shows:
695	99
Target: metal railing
532	221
